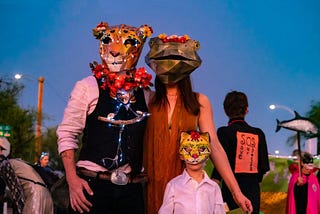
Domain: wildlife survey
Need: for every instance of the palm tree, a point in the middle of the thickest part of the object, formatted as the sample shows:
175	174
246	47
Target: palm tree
314	115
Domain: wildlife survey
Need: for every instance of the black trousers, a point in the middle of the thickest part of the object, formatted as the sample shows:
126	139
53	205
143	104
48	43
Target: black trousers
250	189
114	199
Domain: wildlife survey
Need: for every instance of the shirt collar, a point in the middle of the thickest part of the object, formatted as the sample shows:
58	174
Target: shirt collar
236	120
186	178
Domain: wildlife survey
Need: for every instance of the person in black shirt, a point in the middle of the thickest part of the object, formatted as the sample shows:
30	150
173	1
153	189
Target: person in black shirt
246	149
48	175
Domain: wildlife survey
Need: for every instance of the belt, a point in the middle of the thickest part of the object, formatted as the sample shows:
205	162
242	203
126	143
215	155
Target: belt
140	178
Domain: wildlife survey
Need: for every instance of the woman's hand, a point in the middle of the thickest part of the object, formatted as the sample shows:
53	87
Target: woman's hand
243	202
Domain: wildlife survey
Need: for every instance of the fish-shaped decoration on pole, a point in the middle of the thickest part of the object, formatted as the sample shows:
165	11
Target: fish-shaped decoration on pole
298	123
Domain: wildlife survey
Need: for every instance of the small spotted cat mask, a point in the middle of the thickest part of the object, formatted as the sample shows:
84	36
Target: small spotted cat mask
194	147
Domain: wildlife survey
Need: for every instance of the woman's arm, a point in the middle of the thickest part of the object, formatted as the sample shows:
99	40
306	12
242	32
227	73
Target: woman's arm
218	155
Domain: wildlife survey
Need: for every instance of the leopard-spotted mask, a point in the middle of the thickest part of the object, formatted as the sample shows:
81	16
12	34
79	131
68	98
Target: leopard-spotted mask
194	147
173	57
121	45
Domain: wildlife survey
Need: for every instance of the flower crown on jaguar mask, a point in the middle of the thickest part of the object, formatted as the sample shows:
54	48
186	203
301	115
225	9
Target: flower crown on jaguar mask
173	57
194	147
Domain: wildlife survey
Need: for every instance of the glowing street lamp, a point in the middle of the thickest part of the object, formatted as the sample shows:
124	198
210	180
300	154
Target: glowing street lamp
39	112
275	106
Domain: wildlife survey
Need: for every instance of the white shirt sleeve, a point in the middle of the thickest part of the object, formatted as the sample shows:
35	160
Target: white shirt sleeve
82	102
167	206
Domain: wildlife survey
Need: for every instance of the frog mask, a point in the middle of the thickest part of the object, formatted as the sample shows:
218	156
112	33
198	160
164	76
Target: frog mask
173	57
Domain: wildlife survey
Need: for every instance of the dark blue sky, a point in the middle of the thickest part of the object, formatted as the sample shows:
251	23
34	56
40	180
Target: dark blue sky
267	49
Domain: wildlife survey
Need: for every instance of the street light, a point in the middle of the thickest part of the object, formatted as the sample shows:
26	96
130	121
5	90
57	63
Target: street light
39	112
274	106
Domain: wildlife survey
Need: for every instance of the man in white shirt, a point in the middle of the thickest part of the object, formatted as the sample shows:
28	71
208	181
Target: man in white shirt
109	110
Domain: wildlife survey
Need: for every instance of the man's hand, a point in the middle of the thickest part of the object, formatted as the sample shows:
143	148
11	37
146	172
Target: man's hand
243	202
77	199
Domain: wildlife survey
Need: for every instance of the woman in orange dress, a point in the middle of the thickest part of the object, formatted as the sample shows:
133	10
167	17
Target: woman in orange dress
174	108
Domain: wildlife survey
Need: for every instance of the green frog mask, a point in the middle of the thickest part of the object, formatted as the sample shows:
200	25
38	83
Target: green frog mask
173	57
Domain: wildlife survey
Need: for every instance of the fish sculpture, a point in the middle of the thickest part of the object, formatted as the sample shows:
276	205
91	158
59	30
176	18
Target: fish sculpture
299	124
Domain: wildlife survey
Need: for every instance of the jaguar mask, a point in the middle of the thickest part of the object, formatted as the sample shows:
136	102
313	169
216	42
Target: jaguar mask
194	147
173	57
121	45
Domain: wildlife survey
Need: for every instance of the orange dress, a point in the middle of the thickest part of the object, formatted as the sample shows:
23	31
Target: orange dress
161	150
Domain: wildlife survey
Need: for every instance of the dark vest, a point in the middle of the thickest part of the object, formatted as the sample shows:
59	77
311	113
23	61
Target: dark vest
101	139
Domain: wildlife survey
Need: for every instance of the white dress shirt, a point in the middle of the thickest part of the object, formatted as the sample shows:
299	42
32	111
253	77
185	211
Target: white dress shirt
184	195
83	100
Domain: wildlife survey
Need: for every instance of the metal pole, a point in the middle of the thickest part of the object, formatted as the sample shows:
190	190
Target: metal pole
299	152
39	116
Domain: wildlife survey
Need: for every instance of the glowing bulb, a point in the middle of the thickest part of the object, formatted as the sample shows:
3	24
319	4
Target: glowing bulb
18	76
272	107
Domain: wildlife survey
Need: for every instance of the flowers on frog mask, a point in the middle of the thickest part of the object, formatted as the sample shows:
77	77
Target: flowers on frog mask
173	38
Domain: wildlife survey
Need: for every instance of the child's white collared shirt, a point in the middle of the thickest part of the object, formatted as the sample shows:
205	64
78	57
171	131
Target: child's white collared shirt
184	195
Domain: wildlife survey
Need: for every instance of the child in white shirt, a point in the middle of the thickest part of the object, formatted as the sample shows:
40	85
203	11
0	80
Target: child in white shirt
193	191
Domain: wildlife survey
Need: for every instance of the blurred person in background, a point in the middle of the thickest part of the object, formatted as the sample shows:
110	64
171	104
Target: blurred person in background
44	159
28	191
303	188
2	187
45	171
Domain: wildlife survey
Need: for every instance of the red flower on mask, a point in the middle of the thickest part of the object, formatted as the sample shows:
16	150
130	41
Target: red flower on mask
135	79
195	135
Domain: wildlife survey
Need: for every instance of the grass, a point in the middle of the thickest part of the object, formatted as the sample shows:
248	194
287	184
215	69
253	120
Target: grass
274	185
276	180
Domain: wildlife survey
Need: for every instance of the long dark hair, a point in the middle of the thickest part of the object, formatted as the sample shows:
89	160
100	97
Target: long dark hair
189	98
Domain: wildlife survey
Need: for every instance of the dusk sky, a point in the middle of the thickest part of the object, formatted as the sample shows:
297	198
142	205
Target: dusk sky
268	49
